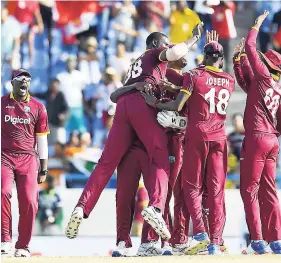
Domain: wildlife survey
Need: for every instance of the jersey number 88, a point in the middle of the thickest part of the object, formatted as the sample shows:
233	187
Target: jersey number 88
134	71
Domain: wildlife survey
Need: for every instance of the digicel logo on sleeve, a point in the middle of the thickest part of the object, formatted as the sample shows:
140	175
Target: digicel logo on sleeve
15	120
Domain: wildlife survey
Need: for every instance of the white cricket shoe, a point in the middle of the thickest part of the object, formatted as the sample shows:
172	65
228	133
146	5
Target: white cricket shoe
6	248
199	242
22	253
155	219
72	228
178	249
121	250
149	249
167	250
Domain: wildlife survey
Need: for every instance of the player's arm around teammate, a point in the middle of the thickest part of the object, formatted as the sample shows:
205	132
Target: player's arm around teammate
24	125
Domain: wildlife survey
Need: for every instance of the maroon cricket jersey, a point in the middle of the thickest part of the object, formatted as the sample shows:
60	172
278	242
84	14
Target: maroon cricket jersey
21	122
264	93
148	68
210	90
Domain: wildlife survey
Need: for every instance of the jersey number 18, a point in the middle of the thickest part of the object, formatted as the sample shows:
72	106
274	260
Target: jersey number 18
223	97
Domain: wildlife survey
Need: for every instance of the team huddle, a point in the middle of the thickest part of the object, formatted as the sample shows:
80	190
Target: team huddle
186	155
168	128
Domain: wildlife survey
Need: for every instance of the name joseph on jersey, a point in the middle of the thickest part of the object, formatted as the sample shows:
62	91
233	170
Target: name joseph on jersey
15	120
218	82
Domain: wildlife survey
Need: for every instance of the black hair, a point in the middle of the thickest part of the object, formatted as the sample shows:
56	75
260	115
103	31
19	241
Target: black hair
154	36
54	80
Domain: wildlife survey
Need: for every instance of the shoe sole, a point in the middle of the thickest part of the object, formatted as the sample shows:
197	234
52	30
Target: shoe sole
72	228
195	250
149	219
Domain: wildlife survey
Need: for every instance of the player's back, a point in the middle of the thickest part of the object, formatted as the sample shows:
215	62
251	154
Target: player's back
147	68
263	100
207	105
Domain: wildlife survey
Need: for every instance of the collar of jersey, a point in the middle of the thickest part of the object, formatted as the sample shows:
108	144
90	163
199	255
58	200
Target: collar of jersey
27	99
275	77
213	69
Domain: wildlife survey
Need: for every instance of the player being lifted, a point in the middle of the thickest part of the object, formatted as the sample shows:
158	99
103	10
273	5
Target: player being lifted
260	146
208	90
133	118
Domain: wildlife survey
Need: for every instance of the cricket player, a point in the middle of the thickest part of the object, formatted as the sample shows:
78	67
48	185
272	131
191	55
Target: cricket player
24	125
205	152
260	147
136	162
134	118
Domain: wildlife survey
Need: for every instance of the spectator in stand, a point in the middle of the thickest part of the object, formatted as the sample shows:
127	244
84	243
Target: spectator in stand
121	62
57	109
264	33
154	11
109	83
123	14
72	84
49	208
31	22
143	33
275	29
223	23
73	143
235	138
90	61
182	21
10	44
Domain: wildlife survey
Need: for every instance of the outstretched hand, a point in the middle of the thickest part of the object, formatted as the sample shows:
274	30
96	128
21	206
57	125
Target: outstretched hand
198	30
149	97
239	48
261	18
212	36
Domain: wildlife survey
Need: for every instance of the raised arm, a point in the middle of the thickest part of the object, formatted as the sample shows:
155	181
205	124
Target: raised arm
259	68
179	50
241	67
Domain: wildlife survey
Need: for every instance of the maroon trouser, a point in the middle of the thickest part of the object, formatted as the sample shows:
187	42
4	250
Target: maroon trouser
181	215
133	164
257	186
175	144
205	161
133	118
23	169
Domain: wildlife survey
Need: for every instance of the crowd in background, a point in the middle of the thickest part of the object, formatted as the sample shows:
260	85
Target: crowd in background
79	51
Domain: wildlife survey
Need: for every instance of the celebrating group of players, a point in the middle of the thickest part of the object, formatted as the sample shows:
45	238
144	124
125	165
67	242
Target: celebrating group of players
150	137
190	161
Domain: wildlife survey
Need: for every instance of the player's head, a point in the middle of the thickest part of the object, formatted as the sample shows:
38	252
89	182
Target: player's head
21	79
54	85
71	63
178	64
213	54
156	40
272	60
